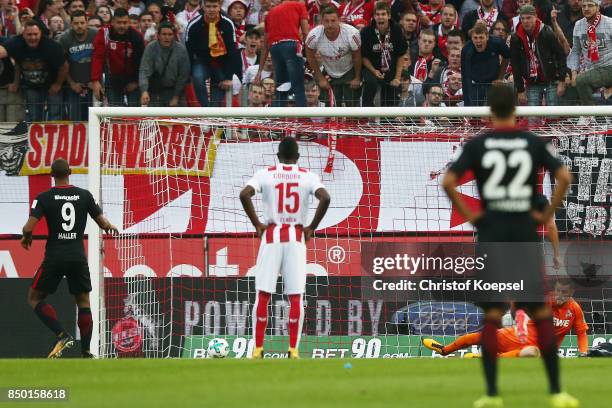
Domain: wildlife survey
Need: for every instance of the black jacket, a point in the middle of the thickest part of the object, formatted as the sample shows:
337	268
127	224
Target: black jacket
196	41
549	53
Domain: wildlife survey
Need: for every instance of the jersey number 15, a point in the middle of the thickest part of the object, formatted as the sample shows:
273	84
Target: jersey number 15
288	198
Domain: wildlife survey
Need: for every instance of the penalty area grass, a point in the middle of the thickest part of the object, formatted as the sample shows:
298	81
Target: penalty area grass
419	383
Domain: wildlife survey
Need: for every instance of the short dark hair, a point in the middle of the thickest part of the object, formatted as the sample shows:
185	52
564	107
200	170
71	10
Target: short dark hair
133	17
428	86
501	101
32	23
120	12
144	13
212	1
78	13
427	31
455	32
60	168
382	5
288	149
253	32
328	9
165	24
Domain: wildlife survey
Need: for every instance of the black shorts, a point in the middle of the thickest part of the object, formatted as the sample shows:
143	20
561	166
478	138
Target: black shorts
50	274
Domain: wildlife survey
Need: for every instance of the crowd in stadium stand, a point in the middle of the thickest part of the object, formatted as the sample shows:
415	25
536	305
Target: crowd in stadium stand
57	57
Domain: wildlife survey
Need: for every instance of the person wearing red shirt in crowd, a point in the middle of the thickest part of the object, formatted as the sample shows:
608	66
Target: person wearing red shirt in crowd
354	10
282	39
119	48
447	24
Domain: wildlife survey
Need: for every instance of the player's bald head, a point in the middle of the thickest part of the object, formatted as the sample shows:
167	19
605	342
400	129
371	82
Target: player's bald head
60	169
288	150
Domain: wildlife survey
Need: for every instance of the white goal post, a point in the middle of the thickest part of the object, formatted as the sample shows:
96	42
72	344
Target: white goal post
372	115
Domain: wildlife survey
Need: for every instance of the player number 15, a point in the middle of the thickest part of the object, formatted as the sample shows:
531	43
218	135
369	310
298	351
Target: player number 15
287	193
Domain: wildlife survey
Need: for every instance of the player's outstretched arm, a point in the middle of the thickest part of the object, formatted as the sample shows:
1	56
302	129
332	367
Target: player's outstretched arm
106	225
28	228
246	196
449	183
324	200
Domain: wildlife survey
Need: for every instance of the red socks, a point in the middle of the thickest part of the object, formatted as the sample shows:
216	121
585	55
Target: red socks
85	323
296	317
260	317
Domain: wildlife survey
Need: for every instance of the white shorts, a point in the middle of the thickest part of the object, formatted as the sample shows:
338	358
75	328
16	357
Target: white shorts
288	259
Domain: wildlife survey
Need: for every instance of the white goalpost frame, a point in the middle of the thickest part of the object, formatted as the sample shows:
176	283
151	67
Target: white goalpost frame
98	114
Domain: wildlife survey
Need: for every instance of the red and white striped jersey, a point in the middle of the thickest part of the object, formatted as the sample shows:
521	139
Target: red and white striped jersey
286	190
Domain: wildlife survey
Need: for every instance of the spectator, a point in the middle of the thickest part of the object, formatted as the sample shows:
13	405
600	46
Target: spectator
567	17
191	11
592	36
383	47
454	66
339	46
9	19
56	27
78	46
120	49
447	24
282	40
43	69
455	39
237	11
269	90
433	96
75	5
433	12
313	93
500	30
516	18
94	22
538	61
134	22
426	66
410	90
251	72
453	94
511	8
409	24
164	70
156	12
11	107
400	7
146	22
467	6
486	11
48	9
481	64
257	96
105	14
211	44
314	10
352	11
136	7
257	16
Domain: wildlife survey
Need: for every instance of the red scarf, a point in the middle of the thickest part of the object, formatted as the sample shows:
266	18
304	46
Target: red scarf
420	67
349	13
442	40
593	52
529	45
488	18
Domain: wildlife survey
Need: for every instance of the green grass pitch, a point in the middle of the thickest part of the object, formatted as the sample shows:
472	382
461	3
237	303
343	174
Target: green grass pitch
208	383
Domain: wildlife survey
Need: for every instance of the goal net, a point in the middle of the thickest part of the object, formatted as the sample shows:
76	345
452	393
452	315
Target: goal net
181	271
